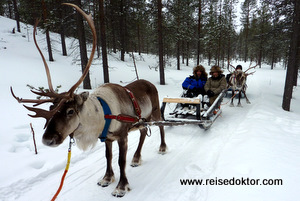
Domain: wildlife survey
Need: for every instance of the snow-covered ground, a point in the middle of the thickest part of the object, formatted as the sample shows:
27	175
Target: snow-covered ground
257	141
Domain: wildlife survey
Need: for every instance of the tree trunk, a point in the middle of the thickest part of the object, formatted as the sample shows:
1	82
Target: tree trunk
178	54
103	41
122	31
260	53
9	9
97	25
246	35
82	46
63	41
160	43
297	62
292	61
17	16
112	22
62	29
47	32
183	51
139	38
273	59
187	53
199	33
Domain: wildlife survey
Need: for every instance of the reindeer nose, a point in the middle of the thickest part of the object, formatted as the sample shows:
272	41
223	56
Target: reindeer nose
52	140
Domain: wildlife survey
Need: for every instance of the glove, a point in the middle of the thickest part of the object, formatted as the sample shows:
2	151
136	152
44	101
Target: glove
210	93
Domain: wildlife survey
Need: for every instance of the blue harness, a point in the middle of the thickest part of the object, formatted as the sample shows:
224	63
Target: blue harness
121	117
106	111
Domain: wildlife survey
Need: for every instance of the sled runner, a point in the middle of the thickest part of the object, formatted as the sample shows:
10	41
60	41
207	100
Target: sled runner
190	111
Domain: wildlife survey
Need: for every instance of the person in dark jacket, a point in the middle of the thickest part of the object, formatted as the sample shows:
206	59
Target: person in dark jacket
195	83
215	84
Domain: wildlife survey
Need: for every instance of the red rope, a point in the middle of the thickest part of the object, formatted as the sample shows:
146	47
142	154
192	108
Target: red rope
60	186
66	170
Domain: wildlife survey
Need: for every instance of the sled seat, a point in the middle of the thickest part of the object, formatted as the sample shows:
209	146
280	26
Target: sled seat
182	100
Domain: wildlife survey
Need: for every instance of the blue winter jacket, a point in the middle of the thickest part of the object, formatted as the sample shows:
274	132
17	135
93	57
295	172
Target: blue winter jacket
193	83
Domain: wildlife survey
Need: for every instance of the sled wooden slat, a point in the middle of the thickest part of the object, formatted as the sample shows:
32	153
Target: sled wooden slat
182	100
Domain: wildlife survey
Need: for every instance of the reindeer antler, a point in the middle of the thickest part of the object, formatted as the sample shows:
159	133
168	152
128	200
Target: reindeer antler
60	97
92	26
43	58
229	64
37	101
251	67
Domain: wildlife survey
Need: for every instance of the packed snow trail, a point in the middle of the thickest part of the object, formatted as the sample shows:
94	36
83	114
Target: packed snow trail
192	153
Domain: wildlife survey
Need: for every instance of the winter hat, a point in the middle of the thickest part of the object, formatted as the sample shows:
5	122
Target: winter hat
239	67
215	69
201	68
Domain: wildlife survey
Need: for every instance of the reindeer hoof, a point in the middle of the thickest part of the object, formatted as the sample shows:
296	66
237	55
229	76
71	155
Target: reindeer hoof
106	182
135	163
239	105
162	150
231	105
120	192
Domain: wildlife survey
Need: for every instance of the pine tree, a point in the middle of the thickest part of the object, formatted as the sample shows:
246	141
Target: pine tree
103	41
293	62
199	30
160	42
247	8
17	16
45	19
82	46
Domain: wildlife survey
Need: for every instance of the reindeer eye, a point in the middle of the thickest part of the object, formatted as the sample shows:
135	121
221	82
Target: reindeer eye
70	111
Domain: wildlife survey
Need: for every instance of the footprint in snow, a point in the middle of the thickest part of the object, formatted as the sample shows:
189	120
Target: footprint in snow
193	170
37	164
22	137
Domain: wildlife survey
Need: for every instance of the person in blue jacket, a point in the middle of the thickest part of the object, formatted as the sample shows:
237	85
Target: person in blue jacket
195	83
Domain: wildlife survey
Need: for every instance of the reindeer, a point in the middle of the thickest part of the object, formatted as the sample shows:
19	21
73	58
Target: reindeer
111	110
237	82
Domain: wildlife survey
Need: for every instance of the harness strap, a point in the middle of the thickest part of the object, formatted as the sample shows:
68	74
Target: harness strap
106	111
121	117
135	103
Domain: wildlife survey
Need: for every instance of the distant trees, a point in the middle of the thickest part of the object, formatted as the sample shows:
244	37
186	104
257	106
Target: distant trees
248	8
191	28
184	29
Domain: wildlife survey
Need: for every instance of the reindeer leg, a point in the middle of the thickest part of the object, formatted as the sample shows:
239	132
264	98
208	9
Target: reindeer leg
163	146
247	100
156	116
232	96
239	103
109	175
136	160
123	185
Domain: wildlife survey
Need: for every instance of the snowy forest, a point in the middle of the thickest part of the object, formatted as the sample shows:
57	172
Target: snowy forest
217	30
252	149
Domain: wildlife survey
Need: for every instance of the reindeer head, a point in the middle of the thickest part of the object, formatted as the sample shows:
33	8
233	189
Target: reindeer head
62	118
238	78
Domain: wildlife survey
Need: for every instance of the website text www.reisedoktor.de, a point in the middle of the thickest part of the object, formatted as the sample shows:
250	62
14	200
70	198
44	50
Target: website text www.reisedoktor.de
232	181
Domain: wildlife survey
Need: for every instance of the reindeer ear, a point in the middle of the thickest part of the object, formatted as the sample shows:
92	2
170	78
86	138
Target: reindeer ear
84	95
81	98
